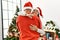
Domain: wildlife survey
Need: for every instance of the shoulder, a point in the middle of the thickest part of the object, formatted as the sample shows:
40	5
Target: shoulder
18	18
37	18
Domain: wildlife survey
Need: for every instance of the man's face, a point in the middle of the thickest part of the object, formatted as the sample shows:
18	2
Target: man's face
28	11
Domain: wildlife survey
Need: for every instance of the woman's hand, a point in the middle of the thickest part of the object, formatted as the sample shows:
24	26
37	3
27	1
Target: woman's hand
33	27
29	15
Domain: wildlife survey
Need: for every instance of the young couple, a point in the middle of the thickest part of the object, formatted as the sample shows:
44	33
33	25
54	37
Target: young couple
29	23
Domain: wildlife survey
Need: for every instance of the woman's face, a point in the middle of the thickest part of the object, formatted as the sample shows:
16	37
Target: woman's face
35	12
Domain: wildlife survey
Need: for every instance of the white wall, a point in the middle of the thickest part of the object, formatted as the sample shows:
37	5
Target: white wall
0	23
50	8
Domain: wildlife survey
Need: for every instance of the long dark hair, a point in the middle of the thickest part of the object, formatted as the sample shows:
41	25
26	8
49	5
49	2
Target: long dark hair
38	15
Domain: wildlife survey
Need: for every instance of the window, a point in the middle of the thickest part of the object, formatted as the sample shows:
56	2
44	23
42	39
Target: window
9	8
5	14
5	24
4	4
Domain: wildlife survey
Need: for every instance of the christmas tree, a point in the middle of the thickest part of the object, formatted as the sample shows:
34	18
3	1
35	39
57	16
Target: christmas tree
53	25
57	32
13	33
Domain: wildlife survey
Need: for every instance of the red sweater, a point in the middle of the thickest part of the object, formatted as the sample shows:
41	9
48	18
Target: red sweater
23	23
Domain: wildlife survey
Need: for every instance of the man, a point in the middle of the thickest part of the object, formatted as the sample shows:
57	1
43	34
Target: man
24	23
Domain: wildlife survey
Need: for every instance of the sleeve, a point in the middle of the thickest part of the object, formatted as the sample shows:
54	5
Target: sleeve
17	26
40	23
17	22
40	30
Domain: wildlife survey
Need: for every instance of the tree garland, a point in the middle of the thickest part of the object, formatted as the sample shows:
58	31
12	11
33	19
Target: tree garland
50	23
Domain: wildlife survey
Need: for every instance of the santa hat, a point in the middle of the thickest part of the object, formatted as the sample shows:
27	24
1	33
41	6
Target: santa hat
28	5
39	10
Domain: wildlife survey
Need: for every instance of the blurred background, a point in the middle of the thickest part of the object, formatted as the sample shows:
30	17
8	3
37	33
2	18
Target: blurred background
50	11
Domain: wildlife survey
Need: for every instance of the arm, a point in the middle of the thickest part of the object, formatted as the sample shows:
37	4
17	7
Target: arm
17	26
24	14
37	29
40	30
21	13
17	22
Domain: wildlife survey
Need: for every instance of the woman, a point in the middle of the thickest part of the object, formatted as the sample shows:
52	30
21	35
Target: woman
38	12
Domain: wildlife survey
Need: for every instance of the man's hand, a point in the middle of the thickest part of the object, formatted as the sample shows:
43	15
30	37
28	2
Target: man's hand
42	35
33	27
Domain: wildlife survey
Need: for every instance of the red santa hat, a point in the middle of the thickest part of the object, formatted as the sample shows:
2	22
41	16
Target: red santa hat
39	10
28	5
